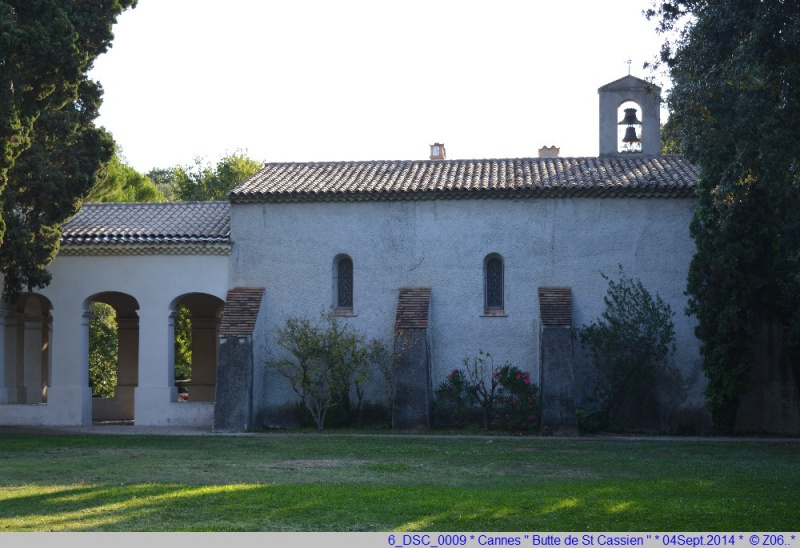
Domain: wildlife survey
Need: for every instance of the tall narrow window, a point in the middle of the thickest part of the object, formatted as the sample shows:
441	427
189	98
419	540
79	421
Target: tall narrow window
493	283
343	284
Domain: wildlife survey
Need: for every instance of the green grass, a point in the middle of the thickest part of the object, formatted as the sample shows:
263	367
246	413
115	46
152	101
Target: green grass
330	482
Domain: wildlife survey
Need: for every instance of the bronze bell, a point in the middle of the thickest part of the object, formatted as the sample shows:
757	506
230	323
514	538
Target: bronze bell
630	135
630	118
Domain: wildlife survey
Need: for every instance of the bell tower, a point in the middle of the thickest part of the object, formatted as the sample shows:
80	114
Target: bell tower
641	120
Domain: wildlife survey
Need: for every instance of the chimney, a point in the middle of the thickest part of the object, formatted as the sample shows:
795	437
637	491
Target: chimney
438	152
549	152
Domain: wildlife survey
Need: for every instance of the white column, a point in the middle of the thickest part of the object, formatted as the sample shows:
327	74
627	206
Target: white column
156	389
69	398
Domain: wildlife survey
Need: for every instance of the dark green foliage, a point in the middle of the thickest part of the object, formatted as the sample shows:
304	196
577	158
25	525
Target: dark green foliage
46	185
165	180
502	397
452	404
50	149
590	418
735	112
183	344
669	144
103	345
629	344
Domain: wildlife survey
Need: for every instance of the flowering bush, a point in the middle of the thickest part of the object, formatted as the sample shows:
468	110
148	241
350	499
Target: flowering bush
453	404
516	401
504	397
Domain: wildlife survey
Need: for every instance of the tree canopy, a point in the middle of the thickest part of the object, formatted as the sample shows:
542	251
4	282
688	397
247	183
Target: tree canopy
735	112
202	182
119	182
50	149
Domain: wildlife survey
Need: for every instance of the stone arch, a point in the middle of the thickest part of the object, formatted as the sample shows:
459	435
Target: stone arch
121	406
27	326
206	312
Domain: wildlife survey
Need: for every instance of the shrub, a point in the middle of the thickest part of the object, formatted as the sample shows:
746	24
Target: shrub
328	359
482	383
630	342
453	404
590	419
504	398
517	400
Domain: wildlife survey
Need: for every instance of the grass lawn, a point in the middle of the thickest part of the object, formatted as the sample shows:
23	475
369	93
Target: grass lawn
335	482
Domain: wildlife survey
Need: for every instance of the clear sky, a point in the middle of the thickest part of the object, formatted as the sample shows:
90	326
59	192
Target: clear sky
313	80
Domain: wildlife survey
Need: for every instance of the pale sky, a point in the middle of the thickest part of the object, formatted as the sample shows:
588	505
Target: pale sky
318	80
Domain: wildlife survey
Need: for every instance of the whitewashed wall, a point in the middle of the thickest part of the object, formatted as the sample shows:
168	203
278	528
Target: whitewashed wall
289	249
156	282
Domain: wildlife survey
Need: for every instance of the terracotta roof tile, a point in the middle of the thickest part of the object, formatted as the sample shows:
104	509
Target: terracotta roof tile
413	307
555	305
239	316
493	178
149	223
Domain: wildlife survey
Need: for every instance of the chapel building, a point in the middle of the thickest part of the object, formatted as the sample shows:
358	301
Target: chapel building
439	257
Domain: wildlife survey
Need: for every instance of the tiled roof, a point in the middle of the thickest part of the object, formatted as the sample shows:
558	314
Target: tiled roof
241	311
413	307
668	176
184	222
555	305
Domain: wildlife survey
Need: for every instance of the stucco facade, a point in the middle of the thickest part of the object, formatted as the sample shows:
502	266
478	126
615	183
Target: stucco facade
476	241
144	285
289	249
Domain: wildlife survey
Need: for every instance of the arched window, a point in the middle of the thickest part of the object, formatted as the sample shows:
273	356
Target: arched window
343	284
493	284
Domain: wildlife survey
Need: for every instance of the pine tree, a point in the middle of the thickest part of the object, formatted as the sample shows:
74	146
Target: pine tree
50	149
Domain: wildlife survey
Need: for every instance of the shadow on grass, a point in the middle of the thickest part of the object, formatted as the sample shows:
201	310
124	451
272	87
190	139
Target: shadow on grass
686	506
